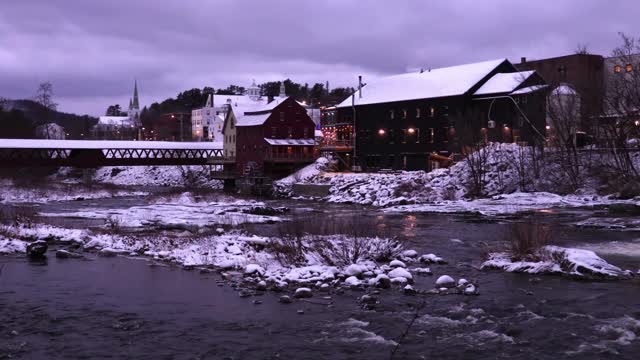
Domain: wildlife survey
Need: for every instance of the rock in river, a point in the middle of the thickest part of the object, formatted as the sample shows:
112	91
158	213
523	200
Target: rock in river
445	281
37	249
303	293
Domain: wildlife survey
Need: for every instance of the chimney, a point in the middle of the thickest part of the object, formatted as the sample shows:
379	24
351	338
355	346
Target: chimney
360	86
523	60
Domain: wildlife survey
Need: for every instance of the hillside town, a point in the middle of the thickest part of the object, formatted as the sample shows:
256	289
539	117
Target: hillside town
268	180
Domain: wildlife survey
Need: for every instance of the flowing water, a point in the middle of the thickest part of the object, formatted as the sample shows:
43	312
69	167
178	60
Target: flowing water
134	308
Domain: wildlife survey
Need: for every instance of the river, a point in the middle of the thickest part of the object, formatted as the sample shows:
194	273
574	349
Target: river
124	307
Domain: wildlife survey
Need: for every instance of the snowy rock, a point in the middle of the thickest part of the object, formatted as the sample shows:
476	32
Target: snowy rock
368	299
382	281
285	299
409	290
37	249
431	259
226	264
303	293
261	285
235	250
558	260
108	252
355	270
399	280
352	281
470	289
462	282
64	254
400	272
254	269
397	263
445	281
422	271
325	287
410	253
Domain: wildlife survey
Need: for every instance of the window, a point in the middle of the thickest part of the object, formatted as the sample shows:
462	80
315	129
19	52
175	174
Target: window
629	68
446	134
445	110
305	133
274	131
234	139
432	111
392	136
431	135
404	113
290	132
417	113
392	114
281	115
617	69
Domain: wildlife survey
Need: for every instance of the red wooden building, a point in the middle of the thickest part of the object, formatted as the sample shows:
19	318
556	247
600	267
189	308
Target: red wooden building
271	139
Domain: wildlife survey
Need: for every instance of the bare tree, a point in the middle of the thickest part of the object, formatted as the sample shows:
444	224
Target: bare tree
620	121
563	117
582	49
44	96
476	159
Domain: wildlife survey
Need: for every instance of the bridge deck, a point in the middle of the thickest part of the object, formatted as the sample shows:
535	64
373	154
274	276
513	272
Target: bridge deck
97	153
105	144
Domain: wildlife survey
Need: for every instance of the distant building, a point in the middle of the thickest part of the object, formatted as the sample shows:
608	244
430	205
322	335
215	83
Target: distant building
415	121
274	137
120	127
207	122
50	131
584	73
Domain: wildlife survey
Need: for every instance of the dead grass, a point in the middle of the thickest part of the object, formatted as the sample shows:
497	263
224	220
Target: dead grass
524	240
336	241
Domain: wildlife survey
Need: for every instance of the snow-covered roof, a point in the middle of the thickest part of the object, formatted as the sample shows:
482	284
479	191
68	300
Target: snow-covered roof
318	133
267	107
449	81
251	119
504	83
529	89
291	142
114	120
238	101
104	144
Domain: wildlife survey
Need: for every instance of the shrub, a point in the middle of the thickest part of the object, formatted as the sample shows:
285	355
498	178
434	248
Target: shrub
524	240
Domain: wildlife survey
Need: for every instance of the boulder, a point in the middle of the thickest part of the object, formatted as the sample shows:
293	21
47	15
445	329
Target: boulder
410	254
382	281
397	263
303	293
285	299
431	259
470	289
107	252
445	281
37	249
462	282
409	290
254	269
355	270
352	281
400	272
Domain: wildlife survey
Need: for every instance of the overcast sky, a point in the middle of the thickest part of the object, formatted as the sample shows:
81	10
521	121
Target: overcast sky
92	50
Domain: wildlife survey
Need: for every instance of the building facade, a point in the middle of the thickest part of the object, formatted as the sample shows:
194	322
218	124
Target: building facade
170	127
416	121
269	139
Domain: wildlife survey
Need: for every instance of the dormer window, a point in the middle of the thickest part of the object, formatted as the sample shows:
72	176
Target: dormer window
629	68
617	69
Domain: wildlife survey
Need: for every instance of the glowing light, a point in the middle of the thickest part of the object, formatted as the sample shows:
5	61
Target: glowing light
381	132
548	127
637	123
411	130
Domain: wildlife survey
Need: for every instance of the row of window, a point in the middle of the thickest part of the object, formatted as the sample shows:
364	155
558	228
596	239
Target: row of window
628	68
407	136
431	112
306	132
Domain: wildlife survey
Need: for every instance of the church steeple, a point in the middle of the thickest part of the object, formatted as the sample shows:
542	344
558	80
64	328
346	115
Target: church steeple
136	103
282	90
